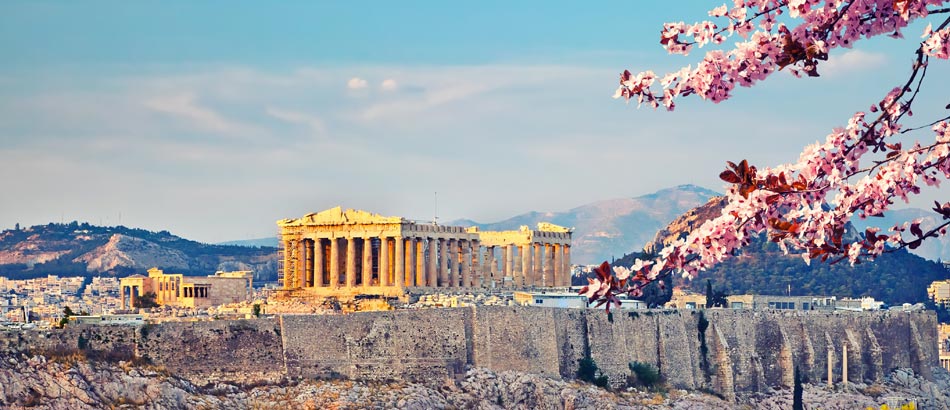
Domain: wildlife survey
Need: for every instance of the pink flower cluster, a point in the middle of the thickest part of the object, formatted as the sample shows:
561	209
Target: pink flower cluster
768	47
805	205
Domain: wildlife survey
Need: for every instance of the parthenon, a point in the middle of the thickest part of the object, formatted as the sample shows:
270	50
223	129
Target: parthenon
345	253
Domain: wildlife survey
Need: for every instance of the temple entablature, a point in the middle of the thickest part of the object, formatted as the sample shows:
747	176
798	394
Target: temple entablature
344	253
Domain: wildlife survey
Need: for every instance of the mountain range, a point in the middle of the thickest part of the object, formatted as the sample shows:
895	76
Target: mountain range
611	228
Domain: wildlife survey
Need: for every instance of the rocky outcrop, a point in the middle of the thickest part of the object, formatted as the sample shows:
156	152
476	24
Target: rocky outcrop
71	383
683	224
126	251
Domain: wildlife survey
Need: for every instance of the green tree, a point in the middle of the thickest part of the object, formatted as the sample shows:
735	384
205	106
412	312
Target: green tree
146	301
797	391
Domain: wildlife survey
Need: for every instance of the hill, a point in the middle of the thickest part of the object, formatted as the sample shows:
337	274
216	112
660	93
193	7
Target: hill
609	228
762	268
83	249
933	248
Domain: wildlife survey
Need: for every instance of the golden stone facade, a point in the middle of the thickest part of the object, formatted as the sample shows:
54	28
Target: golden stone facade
175	289
350	252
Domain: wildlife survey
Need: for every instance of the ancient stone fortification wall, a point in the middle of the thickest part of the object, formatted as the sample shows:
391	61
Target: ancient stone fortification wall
723	350
396	345
735	350
222	349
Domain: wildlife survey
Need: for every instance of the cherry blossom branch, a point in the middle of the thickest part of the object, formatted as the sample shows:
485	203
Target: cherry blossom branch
789	201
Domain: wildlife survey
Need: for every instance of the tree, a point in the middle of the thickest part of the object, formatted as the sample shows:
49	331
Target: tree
146	301
860	169
797	390
67	312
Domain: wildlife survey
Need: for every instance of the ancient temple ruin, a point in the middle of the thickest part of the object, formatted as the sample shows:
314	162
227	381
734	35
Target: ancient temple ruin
352	252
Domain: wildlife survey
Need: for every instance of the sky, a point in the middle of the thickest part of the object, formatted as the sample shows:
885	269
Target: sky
214	119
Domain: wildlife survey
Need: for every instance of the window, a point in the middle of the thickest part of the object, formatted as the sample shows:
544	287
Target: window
736	305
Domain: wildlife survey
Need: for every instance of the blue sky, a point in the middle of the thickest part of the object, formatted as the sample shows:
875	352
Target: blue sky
214	119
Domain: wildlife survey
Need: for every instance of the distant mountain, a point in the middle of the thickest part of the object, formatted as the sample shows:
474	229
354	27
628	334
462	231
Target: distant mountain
271	242
83	249
614	227
761	268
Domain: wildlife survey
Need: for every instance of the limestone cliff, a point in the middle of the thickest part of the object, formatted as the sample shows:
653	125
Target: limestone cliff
484	358
126	251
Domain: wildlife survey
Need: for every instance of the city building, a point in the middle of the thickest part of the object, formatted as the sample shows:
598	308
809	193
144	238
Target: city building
550	299
117	319
347	253
698	301
175	289
939	292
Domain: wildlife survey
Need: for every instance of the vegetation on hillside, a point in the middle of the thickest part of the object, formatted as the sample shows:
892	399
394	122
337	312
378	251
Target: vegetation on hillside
762	268
75	239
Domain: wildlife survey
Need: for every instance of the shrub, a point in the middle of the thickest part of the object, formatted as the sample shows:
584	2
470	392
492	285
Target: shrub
587	371
646	374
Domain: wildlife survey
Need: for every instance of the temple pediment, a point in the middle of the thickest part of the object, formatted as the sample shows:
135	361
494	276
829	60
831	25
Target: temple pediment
338	216
549	227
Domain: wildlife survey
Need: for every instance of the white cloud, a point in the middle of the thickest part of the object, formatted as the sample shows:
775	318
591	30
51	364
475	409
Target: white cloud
184	105
294	117
389	85
851	61
356	83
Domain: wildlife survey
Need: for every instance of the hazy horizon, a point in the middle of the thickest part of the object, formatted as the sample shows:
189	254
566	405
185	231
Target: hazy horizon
213	123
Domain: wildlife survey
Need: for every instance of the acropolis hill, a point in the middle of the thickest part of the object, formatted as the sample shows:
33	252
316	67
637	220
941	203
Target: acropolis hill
736	351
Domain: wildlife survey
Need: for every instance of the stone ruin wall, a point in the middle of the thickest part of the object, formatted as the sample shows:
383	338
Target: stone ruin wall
744	350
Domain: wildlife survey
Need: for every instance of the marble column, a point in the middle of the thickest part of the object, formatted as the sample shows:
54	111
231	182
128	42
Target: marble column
433	269
299	266
367	278
400	269
558	266
510	263
421	262
410	278
318	263
444	262
455	263
465	265
132	297
492	264
526	269
383	261
334	262
478	276
517	272
538	264
568	275
308	263
548	264
350	262
287	266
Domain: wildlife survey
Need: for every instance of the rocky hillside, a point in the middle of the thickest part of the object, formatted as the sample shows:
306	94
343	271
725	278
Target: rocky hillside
75	383
610	228
83	249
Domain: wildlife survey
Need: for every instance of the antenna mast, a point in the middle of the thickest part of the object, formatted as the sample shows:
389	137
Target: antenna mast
435	215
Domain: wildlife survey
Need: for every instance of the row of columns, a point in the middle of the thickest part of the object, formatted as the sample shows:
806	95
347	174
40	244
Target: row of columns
132	291
422	261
